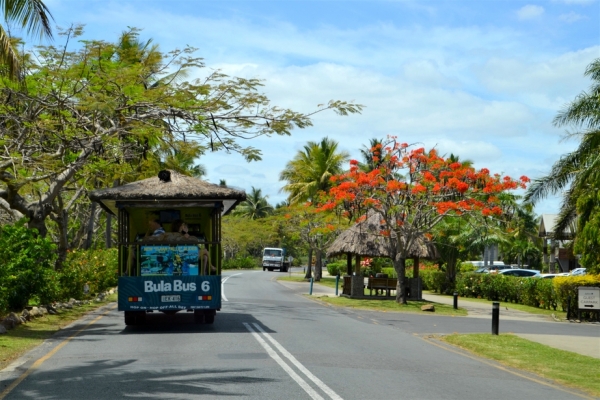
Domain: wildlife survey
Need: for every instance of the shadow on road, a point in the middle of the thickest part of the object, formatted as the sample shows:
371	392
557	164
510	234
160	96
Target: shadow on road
159	323
120	379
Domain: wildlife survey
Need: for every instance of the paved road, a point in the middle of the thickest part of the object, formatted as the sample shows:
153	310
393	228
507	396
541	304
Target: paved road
269	342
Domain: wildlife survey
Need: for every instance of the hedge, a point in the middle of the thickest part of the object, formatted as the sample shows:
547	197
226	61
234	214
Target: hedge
565	290
535	292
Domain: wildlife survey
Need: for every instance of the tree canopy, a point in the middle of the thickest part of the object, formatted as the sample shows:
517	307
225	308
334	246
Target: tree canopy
31	15
413	190
311	169
93	113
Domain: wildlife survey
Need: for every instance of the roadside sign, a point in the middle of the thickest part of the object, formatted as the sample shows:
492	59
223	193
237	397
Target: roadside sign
589	298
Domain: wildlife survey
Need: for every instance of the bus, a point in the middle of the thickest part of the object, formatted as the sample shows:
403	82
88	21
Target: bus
169	272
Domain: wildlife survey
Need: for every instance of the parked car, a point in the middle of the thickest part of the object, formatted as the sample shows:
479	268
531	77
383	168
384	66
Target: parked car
551	276
520	272
578	271
493	269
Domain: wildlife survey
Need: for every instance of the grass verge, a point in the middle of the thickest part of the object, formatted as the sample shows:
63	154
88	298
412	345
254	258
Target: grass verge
25	337
375	305
519	307
392	306
325	281
567	368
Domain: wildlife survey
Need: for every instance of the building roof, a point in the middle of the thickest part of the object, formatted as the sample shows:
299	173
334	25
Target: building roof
547	224
365	239
168	186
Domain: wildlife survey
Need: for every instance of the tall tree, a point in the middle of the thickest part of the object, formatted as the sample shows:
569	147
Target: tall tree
370	155
255	206
31	15
311	169
431	188
576	174
85	118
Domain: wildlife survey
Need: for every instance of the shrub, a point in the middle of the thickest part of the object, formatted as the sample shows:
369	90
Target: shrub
337	267
546	295
240	263
27	266
435	280
466	267
566	290
391	272
97	268
469	284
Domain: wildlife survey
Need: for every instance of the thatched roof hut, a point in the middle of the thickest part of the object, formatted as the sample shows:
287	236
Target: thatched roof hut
365	239
168	186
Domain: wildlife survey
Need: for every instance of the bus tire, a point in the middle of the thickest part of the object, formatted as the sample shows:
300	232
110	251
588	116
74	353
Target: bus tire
129	319
209	318
198	316
135	317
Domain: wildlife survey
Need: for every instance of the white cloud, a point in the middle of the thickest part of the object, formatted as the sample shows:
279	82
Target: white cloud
530	12
571	17
547	83
486	91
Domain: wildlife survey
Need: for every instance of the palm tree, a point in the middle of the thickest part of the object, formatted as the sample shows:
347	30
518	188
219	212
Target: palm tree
576	173
367	153
255	206
456	158
34	17
309	172
179	156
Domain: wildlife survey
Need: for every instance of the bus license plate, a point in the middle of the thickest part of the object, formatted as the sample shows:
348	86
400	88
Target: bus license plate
170	299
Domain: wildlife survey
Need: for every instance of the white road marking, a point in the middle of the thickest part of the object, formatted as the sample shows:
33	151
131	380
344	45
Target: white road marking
302	368
223	286
311	392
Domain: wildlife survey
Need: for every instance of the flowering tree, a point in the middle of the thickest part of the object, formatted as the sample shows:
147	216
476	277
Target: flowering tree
413	190
317	230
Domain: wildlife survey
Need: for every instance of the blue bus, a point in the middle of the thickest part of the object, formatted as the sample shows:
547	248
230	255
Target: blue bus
162	268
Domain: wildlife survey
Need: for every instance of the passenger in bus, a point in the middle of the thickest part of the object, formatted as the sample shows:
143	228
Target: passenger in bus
205	263
181	227
154	228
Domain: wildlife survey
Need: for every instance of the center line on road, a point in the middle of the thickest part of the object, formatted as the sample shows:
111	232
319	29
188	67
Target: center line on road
311	392
305	371
223	286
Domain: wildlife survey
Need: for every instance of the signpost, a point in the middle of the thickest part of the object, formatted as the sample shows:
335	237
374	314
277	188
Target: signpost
589	299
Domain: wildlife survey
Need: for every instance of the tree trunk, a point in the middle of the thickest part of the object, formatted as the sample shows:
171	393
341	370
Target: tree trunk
400	267
62	222
90	226
108	236
451	270
37	218
309	268
319	266
108	233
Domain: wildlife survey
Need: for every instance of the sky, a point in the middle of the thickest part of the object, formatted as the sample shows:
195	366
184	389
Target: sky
480	79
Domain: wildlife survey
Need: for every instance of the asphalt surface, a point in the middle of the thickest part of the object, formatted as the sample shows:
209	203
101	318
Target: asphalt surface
270	342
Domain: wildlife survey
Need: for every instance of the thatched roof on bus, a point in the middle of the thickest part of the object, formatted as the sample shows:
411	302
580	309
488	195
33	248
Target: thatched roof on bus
365	239
169	186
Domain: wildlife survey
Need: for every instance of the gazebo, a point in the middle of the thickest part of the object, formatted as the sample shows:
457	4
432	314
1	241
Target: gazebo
365	240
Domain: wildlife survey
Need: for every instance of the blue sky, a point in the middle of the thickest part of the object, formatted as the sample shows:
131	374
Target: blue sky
481	79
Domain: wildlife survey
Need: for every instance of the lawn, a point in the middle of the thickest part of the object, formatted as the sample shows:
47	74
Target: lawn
392	306
519	307
567	368
375	305
25	337
325	281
